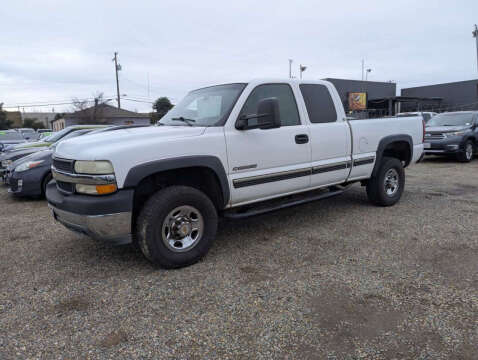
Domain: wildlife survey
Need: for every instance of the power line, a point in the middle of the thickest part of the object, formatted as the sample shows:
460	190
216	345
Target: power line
50	103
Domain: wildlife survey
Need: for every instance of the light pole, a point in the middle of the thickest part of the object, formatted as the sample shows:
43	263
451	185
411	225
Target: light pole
290	68
302	68
366	74
475	35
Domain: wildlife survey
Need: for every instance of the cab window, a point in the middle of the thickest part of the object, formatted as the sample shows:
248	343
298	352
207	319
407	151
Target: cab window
289	115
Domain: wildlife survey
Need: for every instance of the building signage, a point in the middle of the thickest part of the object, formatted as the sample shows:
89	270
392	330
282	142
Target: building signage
357	101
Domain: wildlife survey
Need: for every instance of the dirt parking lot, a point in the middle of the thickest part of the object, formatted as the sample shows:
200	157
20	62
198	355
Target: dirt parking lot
338	278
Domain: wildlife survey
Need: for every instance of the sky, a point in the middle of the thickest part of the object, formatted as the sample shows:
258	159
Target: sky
54	50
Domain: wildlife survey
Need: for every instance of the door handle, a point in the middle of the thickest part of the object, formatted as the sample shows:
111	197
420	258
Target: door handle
301	139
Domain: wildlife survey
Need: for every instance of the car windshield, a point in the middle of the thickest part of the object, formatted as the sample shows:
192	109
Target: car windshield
10	135
57	136
451	119
72	134
204	107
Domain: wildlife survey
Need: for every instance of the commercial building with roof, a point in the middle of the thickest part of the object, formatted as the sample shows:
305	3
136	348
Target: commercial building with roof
101	114
455	96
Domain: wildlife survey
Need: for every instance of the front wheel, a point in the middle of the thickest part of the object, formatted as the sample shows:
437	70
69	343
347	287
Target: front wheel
177	226
468	152
386	187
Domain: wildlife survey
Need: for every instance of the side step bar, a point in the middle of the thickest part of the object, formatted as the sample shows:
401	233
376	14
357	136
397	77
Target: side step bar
274	205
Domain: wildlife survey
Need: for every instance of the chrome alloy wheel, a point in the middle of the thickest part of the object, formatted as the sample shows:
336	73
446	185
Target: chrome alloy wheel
182	228
469	151
391	182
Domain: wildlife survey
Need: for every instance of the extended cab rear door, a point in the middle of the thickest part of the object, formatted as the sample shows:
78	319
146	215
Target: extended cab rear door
265	163
330	136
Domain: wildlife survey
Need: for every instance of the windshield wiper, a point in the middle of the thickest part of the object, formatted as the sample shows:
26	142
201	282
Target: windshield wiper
184	120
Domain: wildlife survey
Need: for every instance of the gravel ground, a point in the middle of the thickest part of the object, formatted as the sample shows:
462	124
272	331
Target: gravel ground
337	279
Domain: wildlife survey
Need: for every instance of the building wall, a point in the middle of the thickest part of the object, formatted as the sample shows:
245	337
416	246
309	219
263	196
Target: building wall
58	124
461	95
374	89
44	117
16	118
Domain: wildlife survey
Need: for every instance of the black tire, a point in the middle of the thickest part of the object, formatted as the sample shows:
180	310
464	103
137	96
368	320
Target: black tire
44	183
150	231
377	187
464	155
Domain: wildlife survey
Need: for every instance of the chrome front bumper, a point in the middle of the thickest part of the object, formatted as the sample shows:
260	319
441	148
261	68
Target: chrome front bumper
114	228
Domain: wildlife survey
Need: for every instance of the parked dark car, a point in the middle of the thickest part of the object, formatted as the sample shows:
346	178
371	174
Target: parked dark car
29	175
22	150
453	133
10	137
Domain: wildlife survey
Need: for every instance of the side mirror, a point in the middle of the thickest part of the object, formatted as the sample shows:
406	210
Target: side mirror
267	116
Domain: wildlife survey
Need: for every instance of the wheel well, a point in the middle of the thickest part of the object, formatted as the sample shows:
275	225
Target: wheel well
201	178
43	180
400	150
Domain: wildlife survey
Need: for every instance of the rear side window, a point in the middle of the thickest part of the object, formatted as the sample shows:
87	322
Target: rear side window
426	117
319	104
289	115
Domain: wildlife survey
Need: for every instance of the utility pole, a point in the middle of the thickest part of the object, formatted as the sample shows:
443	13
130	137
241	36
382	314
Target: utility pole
117	68
363	65
475	35
290	68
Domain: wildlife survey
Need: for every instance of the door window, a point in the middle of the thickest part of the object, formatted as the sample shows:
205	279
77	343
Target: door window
319	103
289	115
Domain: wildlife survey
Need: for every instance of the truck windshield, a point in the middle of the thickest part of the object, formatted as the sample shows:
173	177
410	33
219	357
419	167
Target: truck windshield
451	119
204	107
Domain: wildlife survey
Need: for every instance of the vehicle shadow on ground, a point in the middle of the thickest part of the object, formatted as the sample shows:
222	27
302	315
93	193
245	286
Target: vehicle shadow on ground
234	236
442	159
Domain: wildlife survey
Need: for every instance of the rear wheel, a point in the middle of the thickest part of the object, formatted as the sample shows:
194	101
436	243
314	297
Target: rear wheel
468	152
386	187
177	226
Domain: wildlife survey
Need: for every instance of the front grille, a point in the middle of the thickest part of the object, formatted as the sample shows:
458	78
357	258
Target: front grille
65	187
64	165
431	136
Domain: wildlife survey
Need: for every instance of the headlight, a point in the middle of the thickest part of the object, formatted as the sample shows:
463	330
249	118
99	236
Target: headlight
5	163
28	165
456	133
94	167
96	189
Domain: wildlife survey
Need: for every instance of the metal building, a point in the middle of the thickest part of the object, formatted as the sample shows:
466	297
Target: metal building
376	92
455	96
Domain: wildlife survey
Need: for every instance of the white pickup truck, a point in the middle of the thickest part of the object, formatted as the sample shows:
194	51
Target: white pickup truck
232	150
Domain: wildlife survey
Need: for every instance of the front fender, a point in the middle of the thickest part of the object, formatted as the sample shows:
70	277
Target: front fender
138	173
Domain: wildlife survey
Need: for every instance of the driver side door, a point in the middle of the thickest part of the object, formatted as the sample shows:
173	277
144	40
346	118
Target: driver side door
266	163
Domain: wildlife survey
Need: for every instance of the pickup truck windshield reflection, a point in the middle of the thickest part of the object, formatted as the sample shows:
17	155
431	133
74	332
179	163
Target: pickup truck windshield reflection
204	107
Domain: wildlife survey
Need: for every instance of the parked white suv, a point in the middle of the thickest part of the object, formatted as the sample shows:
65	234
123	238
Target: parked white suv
229	150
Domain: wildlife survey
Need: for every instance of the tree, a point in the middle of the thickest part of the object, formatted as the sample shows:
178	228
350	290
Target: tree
5	124
86	114
59	116
161	106
33	123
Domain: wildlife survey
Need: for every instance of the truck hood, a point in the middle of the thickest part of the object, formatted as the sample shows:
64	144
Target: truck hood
445	129
100	146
